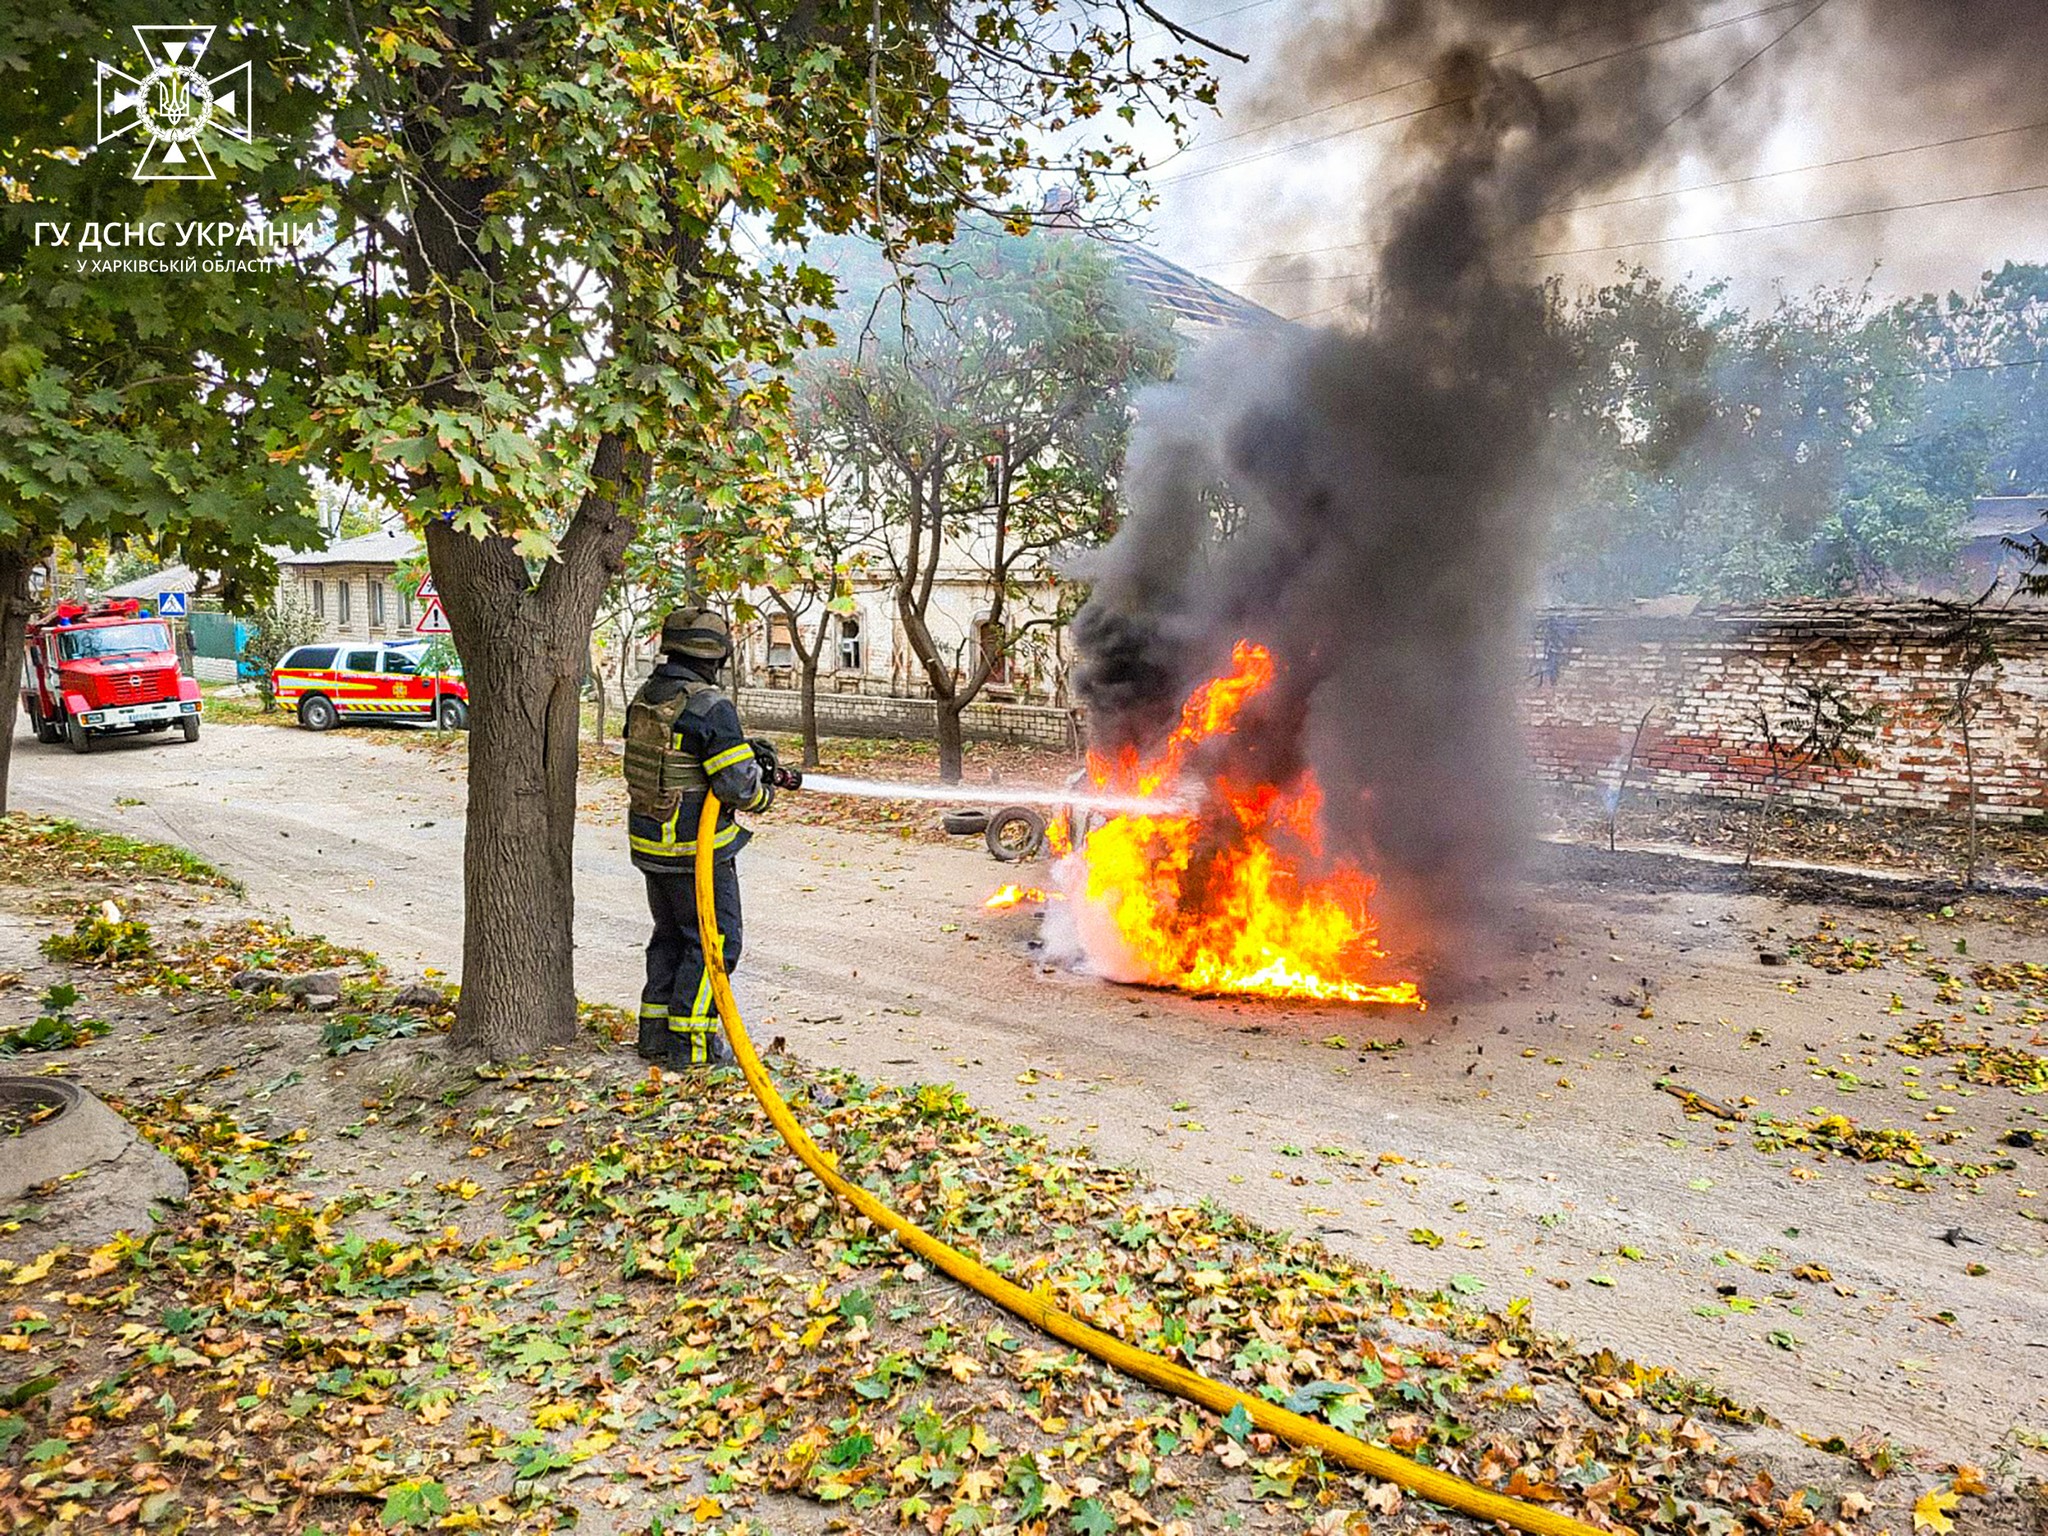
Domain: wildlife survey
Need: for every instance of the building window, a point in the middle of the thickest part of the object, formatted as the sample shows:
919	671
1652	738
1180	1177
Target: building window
849	644
376	604
995	648
319	599
404	608
341	603
781	642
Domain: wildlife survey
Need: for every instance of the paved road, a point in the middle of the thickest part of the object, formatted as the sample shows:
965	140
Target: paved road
1521	1124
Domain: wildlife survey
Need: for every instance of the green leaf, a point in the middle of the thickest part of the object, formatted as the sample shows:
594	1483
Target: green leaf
1091	1517
1237	1423
415	1503
1305	1398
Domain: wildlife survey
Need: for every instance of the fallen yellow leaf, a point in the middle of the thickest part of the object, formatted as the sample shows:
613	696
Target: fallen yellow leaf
1930	1511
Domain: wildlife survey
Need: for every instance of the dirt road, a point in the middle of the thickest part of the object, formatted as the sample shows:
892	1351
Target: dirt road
1514	1140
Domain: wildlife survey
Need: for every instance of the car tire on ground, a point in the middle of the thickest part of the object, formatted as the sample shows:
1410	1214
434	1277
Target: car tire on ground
317	713
453	716
1015	834
79	737
190	726
964	823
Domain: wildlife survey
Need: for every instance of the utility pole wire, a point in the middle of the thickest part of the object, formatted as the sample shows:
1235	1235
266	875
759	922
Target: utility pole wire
1705	234
1824	218
1703	186
1183	34
1203	21
1702	99
1388	90
1436	106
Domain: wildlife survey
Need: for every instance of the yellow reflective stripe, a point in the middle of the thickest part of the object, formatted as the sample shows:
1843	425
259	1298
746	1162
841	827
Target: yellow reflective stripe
654	1010
665	847
728	757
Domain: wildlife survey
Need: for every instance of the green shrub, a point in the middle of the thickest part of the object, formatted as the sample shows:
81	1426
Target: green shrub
102	937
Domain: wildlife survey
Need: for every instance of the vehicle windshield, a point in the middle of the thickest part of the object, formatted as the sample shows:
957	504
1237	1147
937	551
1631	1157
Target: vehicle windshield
115	640
427	659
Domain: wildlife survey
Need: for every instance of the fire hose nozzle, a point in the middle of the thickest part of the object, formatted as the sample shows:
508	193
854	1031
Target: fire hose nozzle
786	778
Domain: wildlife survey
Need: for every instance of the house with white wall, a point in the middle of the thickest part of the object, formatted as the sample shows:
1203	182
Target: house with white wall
351	587
867	651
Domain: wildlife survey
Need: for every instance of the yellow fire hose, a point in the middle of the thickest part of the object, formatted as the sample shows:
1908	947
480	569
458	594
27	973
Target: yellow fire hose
1040	1312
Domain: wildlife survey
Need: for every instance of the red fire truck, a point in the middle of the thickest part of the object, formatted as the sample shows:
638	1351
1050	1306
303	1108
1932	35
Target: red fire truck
92	671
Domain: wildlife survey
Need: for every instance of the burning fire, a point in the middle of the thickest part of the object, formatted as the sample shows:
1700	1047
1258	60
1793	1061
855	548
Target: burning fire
1014	895
1235	897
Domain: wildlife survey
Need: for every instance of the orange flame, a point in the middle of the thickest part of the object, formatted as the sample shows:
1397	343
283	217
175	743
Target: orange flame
1235	898
1014	895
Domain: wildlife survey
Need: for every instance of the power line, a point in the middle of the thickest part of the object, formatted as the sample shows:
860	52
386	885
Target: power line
1388	90
1935	370
1704	96
1203	21
1705	234
1824	218
1548	74
1703	186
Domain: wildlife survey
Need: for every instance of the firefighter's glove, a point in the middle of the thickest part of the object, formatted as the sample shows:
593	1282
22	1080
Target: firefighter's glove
765	754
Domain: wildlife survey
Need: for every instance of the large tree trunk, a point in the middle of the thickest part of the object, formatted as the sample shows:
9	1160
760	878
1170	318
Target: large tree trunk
952	748
523	646
18	559
807	709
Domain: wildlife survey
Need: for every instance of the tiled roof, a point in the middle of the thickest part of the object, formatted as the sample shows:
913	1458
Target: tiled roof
172	578
1184	298
384	547
1996	517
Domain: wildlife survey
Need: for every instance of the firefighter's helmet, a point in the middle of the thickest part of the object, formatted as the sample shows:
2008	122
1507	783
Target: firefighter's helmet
698	632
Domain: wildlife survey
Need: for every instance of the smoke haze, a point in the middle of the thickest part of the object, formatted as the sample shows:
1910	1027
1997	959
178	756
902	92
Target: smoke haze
1389	485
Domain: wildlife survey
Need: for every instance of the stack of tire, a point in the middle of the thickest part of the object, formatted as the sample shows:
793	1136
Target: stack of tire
1012	834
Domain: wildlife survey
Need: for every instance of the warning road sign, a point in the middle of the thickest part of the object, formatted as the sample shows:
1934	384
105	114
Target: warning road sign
432	620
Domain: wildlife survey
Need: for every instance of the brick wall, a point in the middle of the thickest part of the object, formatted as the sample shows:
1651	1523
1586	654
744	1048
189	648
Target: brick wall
1703	677
846	714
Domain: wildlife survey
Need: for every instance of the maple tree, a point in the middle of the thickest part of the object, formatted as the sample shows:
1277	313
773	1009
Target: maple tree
534	291
134	410
985	408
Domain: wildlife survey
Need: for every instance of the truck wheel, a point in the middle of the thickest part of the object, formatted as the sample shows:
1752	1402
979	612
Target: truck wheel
48	732
1015	834
454	715
316	713
79	737
190	726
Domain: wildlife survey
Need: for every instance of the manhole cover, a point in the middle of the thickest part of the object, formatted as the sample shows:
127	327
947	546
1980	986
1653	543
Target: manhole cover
30	1104
92	1174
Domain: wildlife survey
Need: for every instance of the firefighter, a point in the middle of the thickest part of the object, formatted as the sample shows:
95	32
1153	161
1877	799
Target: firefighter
683	742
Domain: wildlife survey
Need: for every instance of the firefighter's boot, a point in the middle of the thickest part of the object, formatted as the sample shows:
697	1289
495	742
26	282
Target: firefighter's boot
653	1044
697	1044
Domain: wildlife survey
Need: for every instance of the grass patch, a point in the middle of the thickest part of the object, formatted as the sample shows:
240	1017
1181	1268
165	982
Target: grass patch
227	705
40	848
57	1029
102	937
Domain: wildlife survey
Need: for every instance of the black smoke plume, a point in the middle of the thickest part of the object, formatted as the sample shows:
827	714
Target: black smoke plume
1386	488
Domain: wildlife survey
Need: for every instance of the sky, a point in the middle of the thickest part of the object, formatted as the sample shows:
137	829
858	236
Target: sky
1275	198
